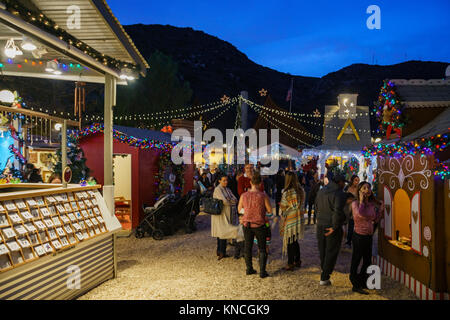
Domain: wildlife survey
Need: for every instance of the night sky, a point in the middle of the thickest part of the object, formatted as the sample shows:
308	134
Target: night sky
308	38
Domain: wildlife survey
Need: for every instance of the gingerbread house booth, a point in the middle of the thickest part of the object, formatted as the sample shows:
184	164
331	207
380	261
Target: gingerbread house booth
413	181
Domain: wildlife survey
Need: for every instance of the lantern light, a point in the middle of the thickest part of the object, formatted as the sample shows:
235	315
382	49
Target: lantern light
7	96
28	45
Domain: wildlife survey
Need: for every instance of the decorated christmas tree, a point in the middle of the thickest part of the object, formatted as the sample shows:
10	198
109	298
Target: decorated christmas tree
169	178
75	160
389	110
351	168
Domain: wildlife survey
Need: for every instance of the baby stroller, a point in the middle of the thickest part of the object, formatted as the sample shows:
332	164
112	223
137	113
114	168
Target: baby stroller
169	214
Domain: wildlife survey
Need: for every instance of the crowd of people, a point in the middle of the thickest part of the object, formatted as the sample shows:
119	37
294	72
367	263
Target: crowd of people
338	208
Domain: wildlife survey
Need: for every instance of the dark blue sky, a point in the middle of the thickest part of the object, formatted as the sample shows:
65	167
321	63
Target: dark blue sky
309	38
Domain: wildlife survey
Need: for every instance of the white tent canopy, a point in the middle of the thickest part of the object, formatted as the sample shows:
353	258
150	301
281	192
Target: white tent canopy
274	151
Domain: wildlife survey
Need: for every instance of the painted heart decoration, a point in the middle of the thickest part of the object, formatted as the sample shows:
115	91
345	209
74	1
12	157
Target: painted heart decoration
415	215
388	209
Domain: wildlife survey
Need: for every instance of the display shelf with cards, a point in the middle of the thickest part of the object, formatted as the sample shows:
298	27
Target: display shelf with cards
39	225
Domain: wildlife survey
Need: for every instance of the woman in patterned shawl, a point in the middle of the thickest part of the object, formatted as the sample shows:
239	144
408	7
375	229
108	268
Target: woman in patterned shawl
291	227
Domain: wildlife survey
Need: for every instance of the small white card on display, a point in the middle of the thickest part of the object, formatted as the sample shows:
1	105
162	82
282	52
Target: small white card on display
52	234
40	201
39	250
24	243
45	212
48	248
30	227
3	249
3	220
56	244
40	225
20	204
13	246
20	230
10	206
31	202
60	232
68	229
50	199
9	233
26	215
65	219
48	223
56	221
15	218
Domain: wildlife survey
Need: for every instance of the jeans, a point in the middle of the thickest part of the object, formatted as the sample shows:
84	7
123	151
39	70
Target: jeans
221	246
293	252
362	249
329	247
350	227
249	235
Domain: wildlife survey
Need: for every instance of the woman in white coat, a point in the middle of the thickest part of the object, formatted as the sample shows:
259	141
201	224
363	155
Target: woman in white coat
221	225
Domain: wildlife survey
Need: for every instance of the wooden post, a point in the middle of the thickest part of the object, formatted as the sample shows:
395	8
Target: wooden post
110	101
244	111
64	151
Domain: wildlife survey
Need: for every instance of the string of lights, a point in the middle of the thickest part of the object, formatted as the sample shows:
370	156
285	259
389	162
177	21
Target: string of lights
285	132
40	20
310	115
207	123
323	125
313	136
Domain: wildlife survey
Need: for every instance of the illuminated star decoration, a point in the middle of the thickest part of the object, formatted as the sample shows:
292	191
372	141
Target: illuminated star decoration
225	99
317	113
263	92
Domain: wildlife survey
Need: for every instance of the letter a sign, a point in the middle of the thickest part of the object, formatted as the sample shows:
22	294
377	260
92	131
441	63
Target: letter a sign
374	21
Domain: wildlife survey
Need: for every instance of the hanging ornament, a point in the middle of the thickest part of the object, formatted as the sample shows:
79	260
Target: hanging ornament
263	92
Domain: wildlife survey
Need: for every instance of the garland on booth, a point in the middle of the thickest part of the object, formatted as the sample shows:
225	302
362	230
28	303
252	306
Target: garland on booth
442	171
130	140
424	146
389	110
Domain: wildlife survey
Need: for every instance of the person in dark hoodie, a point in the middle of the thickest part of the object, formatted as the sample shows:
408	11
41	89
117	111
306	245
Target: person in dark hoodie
329	206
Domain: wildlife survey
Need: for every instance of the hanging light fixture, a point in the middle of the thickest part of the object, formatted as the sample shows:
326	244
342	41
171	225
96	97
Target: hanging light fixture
127	74
28	44
11	50
7	96
52	67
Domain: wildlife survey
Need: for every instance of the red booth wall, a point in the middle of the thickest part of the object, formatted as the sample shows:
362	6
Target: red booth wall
144	164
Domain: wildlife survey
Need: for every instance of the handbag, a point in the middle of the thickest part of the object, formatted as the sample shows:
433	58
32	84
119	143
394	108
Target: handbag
211	205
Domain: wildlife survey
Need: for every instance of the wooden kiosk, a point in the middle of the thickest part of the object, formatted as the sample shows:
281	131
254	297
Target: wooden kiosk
55	242
414	235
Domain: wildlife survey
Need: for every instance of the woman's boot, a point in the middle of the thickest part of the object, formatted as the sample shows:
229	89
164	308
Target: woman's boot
262	265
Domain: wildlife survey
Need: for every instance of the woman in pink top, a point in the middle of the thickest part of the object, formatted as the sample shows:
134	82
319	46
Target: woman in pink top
255	204
366	212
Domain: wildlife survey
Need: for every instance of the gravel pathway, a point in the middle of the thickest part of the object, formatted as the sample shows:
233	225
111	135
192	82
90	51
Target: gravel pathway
185	266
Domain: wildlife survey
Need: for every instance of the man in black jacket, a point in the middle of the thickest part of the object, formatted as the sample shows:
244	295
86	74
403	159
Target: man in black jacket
329	206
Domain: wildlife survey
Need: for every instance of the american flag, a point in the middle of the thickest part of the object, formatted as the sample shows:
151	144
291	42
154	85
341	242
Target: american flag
289	94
